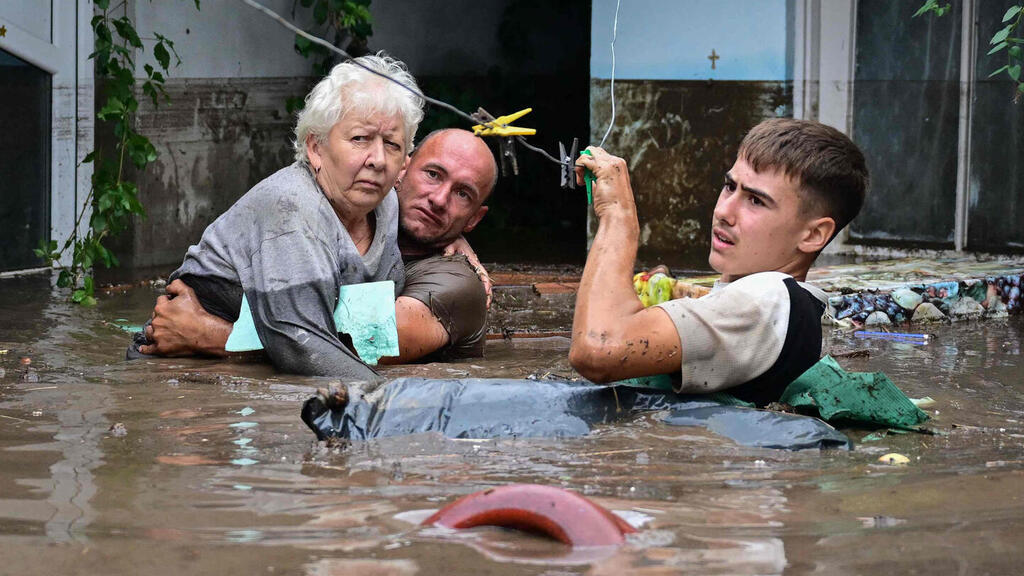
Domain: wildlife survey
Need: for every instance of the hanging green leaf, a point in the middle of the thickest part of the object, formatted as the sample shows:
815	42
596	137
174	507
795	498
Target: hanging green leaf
999	71
1001	35
125	30
998	47
1011	12
163	57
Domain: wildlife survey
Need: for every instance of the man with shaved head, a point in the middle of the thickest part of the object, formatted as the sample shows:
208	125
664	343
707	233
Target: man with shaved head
442	311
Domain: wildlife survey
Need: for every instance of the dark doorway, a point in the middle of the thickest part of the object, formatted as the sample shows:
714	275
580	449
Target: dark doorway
24	161
542	61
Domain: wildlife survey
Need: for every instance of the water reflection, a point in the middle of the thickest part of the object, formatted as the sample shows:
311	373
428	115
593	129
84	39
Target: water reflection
217	473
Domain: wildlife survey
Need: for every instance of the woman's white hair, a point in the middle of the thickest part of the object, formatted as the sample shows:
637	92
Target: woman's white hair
349	88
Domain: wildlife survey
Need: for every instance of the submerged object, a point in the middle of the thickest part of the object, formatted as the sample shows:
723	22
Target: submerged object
513	408
894	459
553	512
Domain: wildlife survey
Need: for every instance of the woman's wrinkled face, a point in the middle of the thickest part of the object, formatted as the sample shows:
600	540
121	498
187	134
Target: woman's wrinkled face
358	162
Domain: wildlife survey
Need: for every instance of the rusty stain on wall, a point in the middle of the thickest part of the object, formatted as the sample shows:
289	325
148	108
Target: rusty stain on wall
679	138
216	139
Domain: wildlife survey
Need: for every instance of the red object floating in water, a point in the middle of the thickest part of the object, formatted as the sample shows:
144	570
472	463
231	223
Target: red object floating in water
554	512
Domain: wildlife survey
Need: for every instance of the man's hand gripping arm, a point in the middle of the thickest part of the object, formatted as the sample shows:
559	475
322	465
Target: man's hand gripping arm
181	327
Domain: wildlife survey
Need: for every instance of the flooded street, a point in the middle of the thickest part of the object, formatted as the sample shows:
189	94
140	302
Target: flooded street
212	470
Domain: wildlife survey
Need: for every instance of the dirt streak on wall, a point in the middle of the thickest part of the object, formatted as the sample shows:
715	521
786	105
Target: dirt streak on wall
216	139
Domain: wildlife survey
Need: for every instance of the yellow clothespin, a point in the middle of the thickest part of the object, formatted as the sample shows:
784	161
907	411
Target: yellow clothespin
499	126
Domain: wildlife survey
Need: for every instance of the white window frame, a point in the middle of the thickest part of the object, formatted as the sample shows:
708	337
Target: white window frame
72	120
824	85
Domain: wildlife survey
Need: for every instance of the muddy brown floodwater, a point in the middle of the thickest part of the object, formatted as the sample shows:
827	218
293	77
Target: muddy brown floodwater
212	471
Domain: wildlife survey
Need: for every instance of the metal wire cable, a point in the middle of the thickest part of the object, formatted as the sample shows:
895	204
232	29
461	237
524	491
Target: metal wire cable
615	33
270	13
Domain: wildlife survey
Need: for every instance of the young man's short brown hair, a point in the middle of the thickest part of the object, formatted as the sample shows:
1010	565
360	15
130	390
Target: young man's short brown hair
829	168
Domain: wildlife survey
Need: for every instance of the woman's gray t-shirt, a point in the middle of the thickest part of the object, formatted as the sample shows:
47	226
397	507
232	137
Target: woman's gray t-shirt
283	245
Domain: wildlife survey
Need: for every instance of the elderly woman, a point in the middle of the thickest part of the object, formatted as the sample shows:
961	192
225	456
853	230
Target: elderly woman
330	219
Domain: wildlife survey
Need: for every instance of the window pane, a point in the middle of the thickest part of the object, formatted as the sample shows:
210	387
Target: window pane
24	161
906	100
996	210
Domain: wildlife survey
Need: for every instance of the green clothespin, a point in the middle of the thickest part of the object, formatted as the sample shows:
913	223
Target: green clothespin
589	178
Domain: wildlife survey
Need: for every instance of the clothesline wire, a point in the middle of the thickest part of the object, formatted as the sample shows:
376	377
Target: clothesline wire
615	33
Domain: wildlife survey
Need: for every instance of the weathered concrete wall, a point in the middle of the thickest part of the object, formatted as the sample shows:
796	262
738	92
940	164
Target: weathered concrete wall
691	80
216	138
679	138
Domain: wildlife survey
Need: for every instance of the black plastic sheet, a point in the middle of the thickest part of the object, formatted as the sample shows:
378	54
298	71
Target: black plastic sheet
504	408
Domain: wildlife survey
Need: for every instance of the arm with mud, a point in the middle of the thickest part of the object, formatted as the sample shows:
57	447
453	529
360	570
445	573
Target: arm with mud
614	336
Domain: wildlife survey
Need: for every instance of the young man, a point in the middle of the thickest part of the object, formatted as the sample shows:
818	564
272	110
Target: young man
442	311
794	186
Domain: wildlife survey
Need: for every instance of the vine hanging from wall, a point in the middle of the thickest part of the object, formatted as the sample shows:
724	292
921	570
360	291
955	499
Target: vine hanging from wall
113	198
1009	38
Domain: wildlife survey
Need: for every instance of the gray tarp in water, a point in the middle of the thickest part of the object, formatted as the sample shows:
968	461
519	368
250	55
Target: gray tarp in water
503	408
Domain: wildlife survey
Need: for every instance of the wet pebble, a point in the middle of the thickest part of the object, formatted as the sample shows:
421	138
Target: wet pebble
965	308
37	413
928	312
118	430
906	298
877	318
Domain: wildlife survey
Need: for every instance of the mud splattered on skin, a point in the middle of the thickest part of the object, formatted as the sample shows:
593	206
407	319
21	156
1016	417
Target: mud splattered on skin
195	486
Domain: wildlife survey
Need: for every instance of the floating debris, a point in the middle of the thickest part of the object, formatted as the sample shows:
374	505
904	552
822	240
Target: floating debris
118	430
894	459
880	521
992	296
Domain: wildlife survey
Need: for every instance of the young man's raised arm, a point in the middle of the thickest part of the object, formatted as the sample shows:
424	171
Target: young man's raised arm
614	336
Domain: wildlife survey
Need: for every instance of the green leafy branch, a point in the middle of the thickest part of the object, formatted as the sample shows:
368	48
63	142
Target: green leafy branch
932	6
345	23
1010	38
112	197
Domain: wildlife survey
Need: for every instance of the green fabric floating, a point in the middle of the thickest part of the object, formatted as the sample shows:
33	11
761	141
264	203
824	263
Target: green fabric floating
861	396
656	382
366	312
